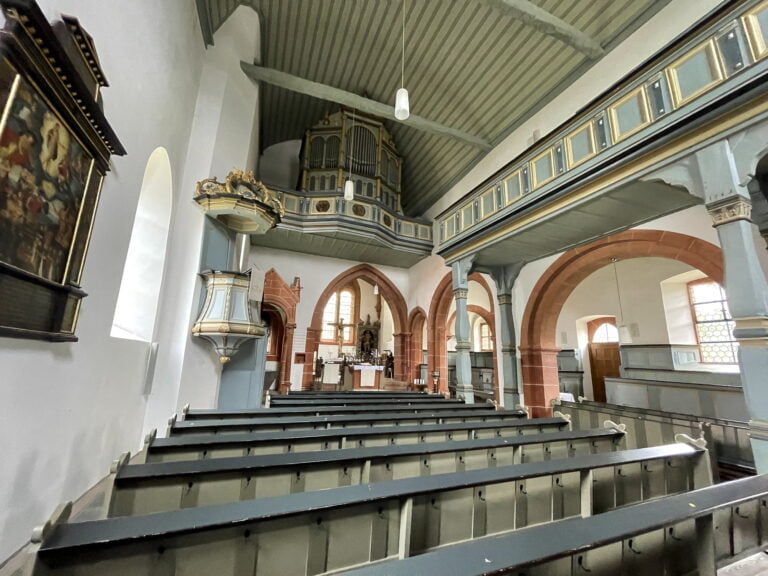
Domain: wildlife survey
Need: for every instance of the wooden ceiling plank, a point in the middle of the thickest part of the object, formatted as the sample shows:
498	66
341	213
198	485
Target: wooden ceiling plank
325	92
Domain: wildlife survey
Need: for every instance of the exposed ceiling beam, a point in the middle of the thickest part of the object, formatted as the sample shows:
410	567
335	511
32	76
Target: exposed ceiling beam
546	23
325	92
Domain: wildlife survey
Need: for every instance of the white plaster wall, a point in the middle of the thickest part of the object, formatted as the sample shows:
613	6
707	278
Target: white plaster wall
641	299
425	276
69	409
222	137
671	21
677	306
279	165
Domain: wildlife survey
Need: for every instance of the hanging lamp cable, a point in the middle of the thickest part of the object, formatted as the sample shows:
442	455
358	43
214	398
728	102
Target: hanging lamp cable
618	291
402	59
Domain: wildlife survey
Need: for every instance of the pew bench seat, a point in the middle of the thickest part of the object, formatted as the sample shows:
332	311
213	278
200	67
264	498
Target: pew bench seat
317	532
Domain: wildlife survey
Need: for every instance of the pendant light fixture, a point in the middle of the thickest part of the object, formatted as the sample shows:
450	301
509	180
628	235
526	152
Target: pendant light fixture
349	185
625	337
376	289
402	108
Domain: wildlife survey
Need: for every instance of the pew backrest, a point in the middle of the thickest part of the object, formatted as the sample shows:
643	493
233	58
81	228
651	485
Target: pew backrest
680	534
314	532
163	486
196	446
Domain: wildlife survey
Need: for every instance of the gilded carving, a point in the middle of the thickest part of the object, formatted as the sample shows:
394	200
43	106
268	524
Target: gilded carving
240	183
730	210
241	202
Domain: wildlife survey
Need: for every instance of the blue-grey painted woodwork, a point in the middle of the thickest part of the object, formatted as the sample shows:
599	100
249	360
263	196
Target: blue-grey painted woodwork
728	202
505	277
242	378
460	272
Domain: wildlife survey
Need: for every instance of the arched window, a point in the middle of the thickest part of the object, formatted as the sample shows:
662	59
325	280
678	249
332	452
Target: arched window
340	309
606	332
143	271
713	321
486	342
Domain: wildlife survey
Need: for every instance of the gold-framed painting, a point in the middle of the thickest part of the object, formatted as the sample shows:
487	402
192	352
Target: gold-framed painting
55	145
44	172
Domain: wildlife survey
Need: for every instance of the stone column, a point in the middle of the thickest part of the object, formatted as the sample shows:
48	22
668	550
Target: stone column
310	347
460	273
747	293
401	356
728	202
505	279
286	358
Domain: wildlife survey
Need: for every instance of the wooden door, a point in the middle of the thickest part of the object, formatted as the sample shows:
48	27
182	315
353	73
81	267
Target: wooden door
604	360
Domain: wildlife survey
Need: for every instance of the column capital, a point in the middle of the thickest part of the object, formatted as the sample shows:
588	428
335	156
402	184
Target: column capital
729	210
460	293
504	299
461	346
751	332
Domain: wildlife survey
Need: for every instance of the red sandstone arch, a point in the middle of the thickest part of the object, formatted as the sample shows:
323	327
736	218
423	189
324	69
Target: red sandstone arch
284	299
416	320
389	292
437	350
538	353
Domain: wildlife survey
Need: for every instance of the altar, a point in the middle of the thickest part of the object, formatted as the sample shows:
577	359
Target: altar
362	376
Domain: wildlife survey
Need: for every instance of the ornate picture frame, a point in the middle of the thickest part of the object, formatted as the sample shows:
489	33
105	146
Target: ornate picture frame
55	145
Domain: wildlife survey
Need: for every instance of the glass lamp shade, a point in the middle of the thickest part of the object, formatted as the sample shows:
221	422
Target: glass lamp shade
225	320
349	190
402	109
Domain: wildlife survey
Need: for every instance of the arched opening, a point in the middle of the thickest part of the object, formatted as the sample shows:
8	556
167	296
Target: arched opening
541	335
441	327
378	298
139	295
417	324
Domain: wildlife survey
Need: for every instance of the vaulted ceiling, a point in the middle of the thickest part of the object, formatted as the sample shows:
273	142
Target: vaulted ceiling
480	67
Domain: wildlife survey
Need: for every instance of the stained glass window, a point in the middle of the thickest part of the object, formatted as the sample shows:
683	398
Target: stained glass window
714	324
339	309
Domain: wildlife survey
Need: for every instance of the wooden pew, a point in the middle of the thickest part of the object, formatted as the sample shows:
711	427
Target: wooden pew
277	423
676	535
360	394
728	441
413	408
159	487
199	446
315	532
281	402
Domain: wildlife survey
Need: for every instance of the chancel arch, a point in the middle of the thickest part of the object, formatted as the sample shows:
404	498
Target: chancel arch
540	341
389	295
281	299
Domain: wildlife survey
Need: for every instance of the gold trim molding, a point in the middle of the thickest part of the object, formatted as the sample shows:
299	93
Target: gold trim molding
730	209
241	203
460	293
504	299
